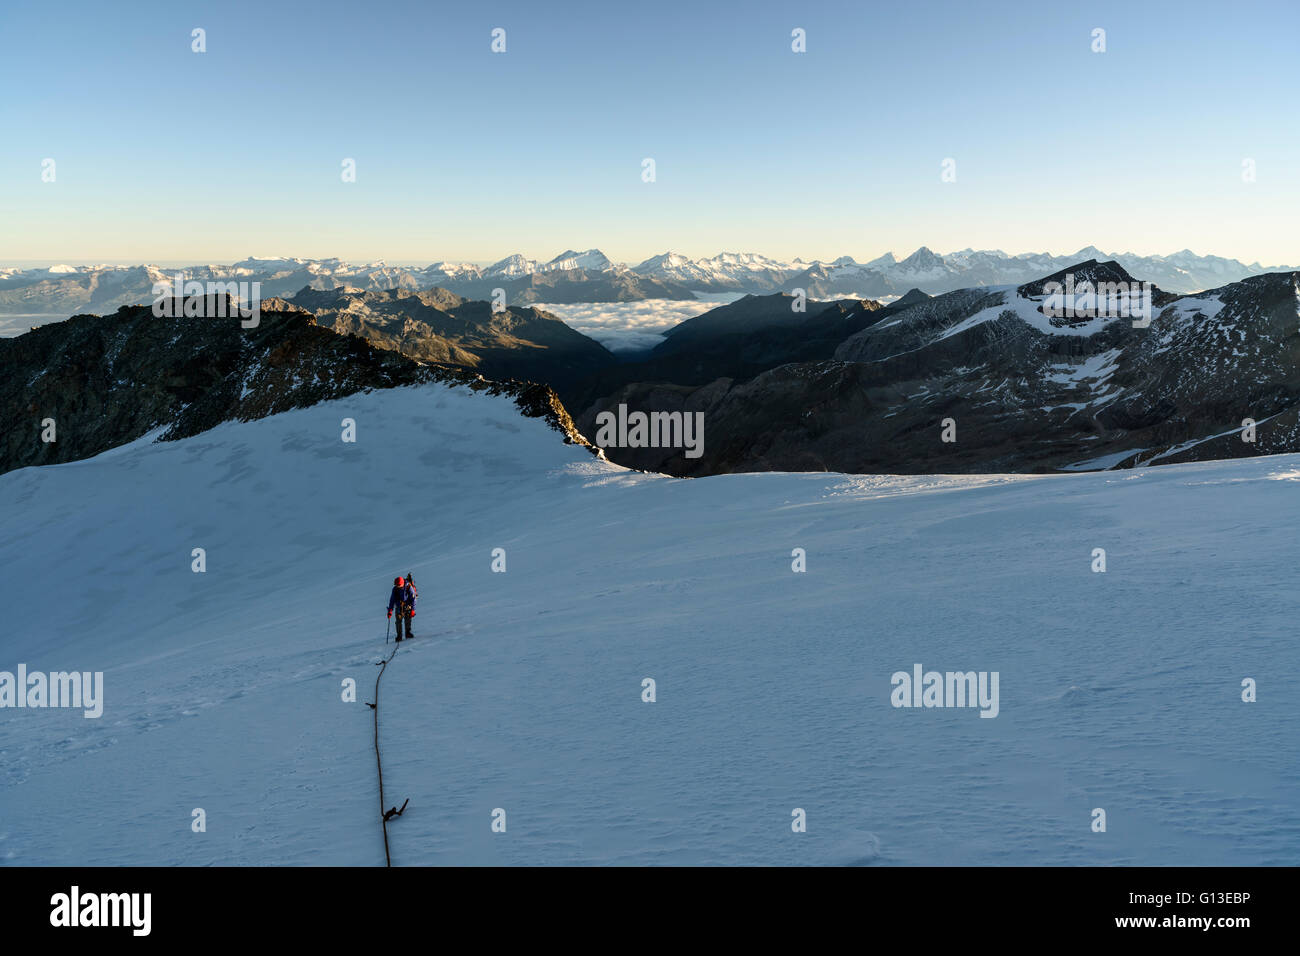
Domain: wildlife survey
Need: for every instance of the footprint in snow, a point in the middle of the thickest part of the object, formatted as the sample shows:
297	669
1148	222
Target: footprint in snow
1076	696
859	848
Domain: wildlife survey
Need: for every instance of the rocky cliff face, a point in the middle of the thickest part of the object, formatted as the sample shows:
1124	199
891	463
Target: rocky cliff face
739	341
1026	391
441	327
109	380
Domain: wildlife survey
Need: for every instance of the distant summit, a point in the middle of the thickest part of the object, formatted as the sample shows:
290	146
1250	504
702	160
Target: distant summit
1091	272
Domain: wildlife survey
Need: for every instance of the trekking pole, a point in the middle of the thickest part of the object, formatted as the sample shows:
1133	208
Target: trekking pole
387	628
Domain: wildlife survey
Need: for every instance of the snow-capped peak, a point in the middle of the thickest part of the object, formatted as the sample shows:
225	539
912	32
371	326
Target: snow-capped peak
511	266
593	260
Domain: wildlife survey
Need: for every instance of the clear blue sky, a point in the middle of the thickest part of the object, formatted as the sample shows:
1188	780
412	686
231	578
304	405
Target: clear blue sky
165	155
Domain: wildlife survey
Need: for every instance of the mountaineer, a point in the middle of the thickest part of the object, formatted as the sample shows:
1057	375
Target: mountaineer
403	601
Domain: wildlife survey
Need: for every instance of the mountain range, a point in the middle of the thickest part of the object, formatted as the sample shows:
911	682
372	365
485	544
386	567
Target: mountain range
590	276
783	384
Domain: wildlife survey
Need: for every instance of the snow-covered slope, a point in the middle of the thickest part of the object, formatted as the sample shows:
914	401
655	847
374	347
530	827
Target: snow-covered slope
523	689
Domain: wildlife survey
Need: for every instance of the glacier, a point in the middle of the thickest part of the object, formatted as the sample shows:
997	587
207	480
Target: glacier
223	690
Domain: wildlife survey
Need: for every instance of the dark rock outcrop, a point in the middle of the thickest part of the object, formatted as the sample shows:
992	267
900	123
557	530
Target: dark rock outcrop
441	327
109	380
1026	391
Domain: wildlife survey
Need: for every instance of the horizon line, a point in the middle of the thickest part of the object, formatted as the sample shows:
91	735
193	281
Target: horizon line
404	262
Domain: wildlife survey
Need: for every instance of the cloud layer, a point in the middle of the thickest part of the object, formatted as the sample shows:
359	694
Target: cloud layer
633	326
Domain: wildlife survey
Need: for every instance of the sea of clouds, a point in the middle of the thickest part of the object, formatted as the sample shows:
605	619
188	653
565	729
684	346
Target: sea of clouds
634	326
637	326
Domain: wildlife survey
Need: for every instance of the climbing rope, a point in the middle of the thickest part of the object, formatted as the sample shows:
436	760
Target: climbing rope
385	815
